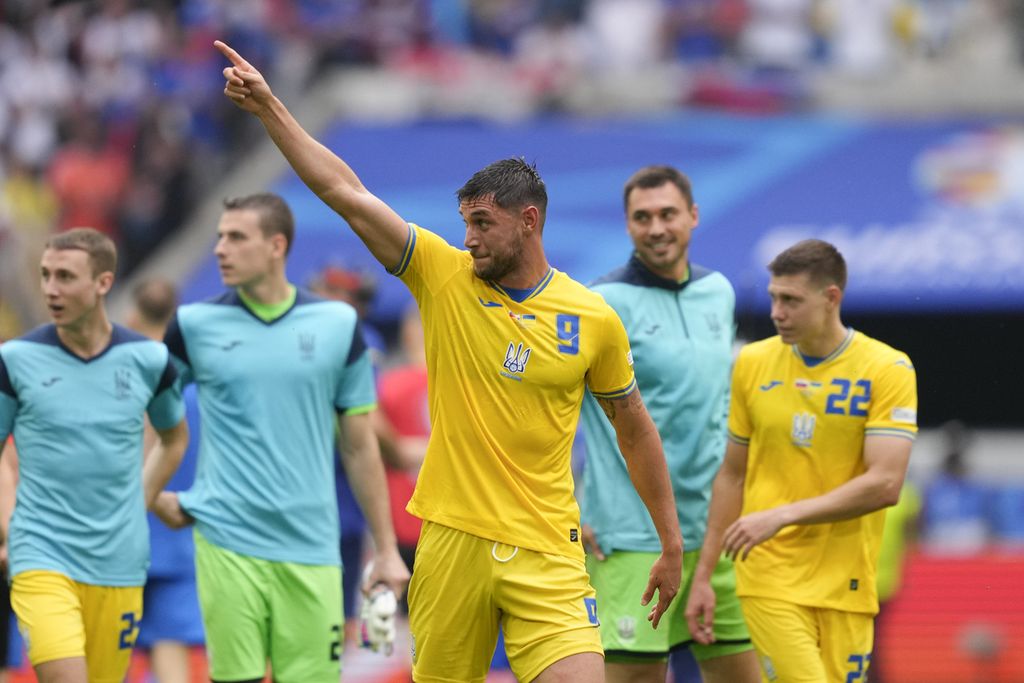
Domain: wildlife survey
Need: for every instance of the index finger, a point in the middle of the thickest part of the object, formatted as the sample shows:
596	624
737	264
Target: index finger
233	56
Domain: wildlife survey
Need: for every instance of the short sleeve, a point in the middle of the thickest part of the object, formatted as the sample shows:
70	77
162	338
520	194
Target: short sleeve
611	373
740	428
893	407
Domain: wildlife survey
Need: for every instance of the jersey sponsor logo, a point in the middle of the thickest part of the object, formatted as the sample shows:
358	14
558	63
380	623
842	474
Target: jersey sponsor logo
626	626
231	345
803	429
122	383
307	345
50	382
854	584
516	358
488	304
574	535
771	385
908	415
769	668
629	357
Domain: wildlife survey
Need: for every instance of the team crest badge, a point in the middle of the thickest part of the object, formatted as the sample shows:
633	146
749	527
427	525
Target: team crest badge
516	358
803	429
626	626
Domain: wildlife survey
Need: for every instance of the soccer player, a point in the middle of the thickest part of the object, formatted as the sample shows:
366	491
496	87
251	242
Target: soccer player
510	345
273	365
821	423
74	393
679	317
172	624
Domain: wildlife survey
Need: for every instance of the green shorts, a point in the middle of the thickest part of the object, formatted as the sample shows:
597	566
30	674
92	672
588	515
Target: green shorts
627	636
257	611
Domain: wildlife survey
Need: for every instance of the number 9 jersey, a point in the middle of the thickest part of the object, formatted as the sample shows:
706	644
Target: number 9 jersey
804	421
507	373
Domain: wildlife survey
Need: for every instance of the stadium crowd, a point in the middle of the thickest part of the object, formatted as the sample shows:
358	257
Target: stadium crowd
83	140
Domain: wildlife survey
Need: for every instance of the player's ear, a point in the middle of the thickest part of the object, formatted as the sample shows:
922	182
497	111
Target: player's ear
531	218
834	295
104	281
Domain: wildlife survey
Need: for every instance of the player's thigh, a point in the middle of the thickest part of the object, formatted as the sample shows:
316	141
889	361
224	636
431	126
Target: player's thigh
730	628
172	612
49	610
452	615
233	600
626	634
306	623
111	615
787	638
548	608
846	644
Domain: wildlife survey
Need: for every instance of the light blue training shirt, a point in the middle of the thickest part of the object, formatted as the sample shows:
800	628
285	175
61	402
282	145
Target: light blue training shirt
78	427
681	336
268	397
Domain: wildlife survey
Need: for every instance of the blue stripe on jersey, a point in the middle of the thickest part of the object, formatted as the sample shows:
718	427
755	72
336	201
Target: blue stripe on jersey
625	391
410	246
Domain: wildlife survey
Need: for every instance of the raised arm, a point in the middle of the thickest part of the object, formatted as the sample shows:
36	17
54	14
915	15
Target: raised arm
334	182
641	447
360	455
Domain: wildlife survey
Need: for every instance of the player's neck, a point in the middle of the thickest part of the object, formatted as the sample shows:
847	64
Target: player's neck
825	343
268	291
89	336
532	269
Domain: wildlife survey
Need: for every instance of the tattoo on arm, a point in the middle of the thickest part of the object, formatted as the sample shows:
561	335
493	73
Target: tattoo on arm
612	406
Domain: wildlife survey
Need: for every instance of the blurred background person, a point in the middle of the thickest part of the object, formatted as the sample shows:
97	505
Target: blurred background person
171	624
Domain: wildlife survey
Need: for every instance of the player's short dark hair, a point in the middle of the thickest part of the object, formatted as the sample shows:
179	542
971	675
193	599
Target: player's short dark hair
100	248
155	299
650	177
511	183
275	216
819	259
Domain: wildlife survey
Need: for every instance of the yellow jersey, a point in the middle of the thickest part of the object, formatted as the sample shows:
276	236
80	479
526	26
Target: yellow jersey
506	375
804	422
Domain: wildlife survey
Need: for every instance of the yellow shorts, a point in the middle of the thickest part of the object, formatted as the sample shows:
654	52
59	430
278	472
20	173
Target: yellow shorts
60	618
798	644
463	586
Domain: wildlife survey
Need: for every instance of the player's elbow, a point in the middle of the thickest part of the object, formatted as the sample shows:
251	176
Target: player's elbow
888	492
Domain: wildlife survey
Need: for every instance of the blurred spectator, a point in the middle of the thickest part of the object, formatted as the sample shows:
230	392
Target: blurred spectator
778	35
627	34
898	535
954	515
339	284
404	427
171	623
89	176
862	35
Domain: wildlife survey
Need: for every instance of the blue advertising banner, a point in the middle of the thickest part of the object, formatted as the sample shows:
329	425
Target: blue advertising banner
929	214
